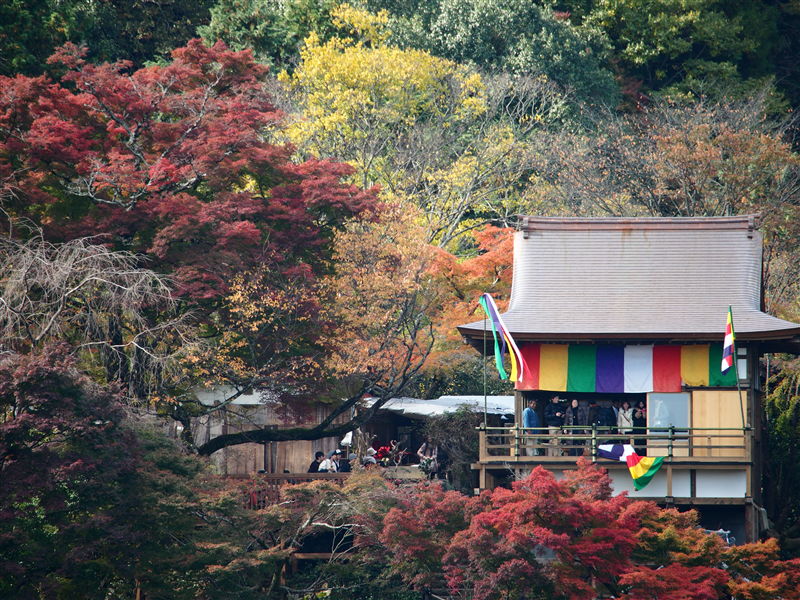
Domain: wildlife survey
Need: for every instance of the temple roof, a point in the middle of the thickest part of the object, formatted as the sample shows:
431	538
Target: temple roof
637	279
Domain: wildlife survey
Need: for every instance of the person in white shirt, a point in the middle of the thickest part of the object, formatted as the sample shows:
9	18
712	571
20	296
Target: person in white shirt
330	464
625	419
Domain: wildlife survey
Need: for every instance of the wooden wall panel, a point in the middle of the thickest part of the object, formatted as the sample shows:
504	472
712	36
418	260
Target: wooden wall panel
717	408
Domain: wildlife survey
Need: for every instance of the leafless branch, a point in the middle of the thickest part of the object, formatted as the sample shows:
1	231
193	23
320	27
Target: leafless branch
98	300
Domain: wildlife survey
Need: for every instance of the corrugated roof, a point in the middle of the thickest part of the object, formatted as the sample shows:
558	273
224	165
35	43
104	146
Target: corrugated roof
637	278
498	405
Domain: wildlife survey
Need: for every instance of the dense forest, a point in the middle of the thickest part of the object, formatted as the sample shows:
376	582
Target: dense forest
304	197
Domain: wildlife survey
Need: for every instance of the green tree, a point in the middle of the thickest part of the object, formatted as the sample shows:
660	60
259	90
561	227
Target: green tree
782	474
274	30
516	36
140	31
689	48
27	35
134	30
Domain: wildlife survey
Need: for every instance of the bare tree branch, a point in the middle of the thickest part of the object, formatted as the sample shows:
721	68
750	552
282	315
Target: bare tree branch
98	300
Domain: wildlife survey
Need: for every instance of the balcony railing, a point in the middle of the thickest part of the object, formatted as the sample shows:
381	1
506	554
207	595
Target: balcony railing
692	444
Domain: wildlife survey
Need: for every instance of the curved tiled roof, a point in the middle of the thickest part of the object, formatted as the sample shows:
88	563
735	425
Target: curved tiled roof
637	278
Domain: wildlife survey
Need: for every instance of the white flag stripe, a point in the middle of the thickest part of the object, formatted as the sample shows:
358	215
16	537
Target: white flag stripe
514	349
638	369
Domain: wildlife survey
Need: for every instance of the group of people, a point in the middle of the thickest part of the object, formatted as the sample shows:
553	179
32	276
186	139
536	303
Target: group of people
428	455
577	417
333	463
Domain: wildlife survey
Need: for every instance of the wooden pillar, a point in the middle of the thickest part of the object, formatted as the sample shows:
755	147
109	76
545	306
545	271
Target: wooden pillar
669	479
486	480
519	406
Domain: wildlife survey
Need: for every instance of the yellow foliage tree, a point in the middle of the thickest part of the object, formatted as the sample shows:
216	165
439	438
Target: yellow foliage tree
364	329
429	131
357	95
386	301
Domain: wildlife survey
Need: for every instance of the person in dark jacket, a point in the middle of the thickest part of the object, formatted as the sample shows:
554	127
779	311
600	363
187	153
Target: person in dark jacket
639	427
576	420
607	421
554	419
607	417
314	466
345	466
594	413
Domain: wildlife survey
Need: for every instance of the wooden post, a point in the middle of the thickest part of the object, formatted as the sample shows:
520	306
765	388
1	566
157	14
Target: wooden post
669	442
669	480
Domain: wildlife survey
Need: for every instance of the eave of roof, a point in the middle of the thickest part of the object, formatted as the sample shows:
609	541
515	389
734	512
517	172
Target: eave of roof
637	279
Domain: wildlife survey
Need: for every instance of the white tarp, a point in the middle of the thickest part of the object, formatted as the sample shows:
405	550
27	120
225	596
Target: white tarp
495	405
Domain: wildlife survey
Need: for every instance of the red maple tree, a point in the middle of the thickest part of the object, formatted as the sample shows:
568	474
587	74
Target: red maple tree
571	539
174	161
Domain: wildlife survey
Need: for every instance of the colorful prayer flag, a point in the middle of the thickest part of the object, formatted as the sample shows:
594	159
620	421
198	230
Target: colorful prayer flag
500	330
642	468
616	369
619	452
727	346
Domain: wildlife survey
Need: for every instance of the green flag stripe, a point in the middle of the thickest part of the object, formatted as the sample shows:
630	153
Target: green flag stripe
715	376
498	358
581	368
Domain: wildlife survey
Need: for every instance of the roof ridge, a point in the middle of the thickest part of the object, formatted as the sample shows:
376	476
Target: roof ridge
530	223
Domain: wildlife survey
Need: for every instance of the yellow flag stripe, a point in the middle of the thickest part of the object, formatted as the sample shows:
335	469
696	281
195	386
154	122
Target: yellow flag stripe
694	365
553	359
512	355
641	469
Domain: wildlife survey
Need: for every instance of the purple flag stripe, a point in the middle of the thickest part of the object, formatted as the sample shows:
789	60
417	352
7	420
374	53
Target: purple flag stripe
496	320
610	369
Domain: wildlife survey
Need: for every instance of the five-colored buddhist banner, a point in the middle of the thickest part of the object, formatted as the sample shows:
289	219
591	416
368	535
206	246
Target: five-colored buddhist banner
622	369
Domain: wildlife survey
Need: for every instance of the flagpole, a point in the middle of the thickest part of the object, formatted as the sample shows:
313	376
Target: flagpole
736	368
485	403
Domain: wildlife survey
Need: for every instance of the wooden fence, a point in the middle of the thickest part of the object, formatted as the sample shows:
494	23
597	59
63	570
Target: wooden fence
266	487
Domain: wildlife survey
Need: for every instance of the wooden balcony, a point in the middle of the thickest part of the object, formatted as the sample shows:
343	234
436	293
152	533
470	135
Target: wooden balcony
679	445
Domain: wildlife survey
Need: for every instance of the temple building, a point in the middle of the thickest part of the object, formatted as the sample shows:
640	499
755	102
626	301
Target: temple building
613	310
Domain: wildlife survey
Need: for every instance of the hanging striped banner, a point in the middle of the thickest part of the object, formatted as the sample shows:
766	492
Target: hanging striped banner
621	369
728	344
502	340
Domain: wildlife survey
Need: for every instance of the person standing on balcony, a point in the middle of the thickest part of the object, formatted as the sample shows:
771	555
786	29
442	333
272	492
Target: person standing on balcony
575	418
615	408
594	412
314	466
625	419
532	424
554	419
640	428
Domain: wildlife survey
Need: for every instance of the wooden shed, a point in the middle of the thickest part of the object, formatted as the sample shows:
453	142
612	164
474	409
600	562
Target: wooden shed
609	310
248	412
